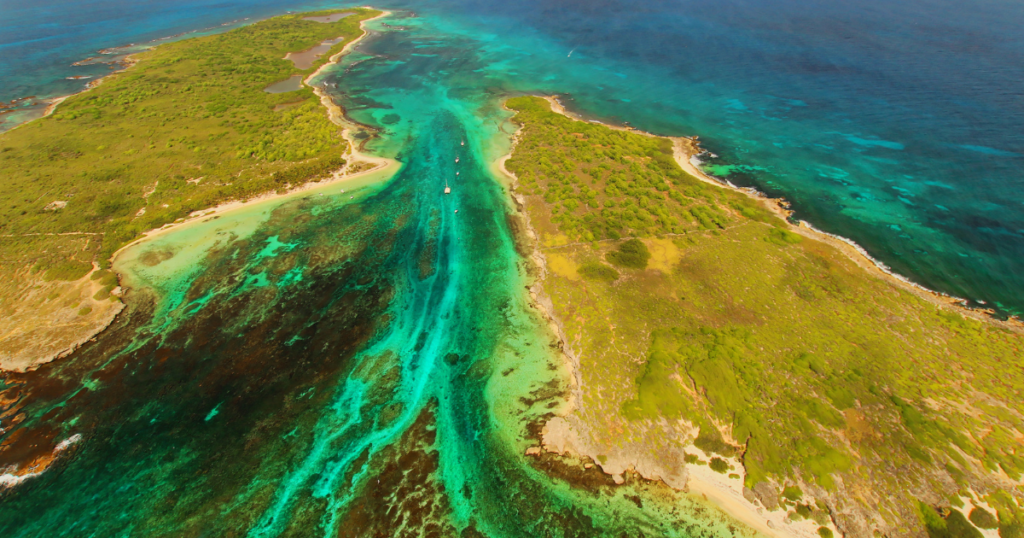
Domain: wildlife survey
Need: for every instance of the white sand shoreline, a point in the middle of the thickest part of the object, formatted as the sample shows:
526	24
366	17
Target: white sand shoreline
687	148
353	158
699	482
727	494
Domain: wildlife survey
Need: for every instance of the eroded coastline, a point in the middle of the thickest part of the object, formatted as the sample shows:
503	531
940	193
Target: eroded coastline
657	449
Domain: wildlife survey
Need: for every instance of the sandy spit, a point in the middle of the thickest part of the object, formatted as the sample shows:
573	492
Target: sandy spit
336	115
354	158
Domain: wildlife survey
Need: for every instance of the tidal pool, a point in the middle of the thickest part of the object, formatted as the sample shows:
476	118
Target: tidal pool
290	84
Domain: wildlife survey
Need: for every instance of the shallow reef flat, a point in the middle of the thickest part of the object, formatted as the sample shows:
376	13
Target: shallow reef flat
186	127
599	344
353	359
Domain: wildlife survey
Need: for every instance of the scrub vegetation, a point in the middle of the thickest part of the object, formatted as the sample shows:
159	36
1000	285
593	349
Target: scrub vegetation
600	183
827	384
189	126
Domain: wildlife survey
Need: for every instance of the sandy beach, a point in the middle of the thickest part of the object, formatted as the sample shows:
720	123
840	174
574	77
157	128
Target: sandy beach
358	165
686	149
356	159
699	480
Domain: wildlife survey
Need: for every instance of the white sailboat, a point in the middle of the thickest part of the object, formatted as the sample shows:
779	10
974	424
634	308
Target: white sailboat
447	189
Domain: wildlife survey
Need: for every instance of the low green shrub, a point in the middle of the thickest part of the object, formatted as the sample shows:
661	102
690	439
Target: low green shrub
957	526
632	254
65	270
983	519
792	493
598	271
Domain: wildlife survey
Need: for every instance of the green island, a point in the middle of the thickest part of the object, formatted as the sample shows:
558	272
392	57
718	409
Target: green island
188	126
710	334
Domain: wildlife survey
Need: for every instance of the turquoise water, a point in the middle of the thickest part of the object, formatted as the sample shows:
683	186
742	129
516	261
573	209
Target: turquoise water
894	123
368	363
364	363
890	123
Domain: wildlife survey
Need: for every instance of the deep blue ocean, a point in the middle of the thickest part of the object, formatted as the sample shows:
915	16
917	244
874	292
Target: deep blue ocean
898	124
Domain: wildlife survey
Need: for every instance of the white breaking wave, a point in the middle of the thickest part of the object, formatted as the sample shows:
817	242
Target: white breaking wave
696	162
9	480
67	442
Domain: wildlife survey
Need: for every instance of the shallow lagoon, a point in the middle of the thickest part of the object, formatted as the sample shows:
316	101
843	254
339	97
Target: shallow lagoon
305	59
334	363
290	84
312	362
886	122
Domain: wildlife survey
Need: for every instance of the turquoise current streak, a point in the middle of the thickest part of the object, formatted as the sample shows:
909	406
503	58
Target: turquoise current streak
327	366
907	94
374	363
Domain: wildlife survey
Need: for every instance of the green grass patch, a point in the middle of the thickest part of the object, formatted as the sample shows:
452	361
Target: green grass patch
782	237
67	270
